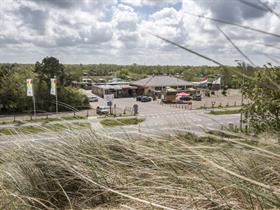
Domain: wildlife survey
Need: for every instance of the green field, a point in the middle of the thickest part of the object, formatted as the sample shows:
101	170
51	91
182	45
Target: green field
113	122
42	128
225	112
42	120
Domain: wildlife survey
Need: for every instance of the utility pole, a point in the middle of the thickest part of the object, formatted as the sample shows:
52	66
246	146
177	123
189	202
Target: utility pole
243	66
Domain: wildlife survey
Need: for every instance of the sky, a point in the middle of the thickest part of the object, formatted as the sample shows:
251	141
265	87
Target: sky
119	31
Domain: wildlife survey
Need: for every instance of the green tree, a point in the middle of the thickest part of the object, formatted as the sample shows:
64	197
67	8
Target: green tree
73	98
13	88
123	74
50	68
263	91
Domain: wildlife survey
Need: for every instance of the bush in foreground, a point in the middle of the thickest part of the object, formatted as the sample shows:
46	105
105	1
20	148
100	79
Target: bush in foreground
164	172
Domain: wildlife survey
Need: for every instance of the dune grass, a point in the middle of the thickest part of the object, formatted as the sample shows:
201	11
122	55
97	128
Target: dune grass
42	120
86	171
56	127
114	122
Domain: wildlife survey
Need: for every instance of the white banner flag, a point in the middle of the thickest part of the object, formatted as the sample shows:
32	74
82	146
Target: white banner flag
53	87
29	89
217	81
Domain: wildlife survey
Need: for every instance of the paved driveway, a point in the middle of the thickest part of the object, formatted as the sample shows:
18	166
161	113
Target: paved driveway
164	118
159	119
234	98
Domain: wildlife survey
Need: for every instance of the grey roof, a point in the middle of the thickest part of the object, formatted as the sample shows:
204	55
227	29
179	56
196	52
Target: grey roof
161	81
114	87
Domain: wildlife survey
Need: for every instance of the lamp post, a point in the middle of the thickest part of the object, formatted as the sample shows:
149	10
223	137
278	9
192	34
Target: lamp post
243	66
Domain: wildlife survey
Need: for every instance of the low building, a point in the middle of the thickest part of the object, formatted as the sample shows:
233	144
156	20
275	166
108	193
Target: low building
85	84
157	85
119	88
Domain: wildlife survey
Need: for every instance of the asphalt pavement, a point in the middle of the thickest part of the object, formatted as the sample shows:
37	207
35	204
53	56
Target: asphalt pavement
159	119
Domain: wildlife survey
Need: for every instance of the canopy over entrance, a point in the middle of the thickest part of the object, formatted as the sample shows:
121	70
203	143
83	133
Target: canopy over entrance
182	94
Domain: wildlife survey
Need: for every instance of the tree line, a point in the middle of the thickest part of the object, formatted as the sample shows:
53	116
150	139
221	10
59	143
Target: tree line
13	97
231	75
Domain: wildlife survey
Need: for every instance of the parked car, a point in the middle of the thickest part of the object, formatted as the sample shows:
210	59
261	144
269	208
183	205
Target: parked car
138	98
92	99
197	98
146	99
186	98
102	110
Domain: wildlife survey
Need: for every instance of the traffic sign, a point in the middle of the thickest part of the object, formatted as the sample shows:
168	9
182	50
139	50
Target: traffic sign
109	98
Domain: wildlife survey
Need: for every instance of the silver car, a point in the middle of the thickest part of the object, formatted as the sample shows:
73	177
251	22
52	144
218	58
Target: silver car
92	99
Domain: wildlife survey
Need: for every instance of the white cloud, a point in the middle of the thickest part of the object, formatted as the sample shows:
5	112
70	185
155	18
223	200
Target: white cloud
118	31
125	18
135	3
138	3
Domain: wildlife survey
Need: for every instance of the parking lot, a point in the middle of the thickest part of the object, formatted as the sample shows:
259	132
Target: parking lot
165	117
155	107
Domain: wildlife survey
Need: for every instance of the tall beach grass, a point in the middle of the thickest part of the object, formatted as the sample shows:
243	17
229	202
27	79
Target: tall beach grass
180	171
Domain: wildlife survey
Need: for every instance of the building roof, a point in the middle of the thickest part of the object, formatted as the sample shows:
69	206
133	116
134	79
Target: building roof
114	87
161	81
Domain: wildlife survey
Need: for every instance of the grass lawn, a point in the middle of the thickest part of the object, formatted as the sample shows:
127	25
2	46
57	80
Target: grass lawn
113	122
225	112
43	120
41	129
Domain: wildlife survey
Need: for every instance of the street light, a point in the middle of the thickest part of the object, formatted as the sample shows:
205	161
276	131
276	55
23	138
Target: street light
243	65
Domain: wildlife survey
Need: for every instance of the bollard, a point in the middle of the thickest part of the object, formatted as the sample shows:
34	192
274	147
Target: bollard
235	103
87	114
14	117
231	126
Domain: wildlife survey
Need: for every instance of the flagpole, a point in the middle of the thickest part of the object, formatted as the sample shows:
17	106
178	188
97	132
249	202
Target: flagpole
30	93
56	102
34	105
54	92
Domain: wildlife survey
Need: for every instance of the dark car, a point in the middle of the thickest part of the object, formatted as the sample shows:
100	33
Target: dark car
146	99
197	98
186	98
102	110
139	98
